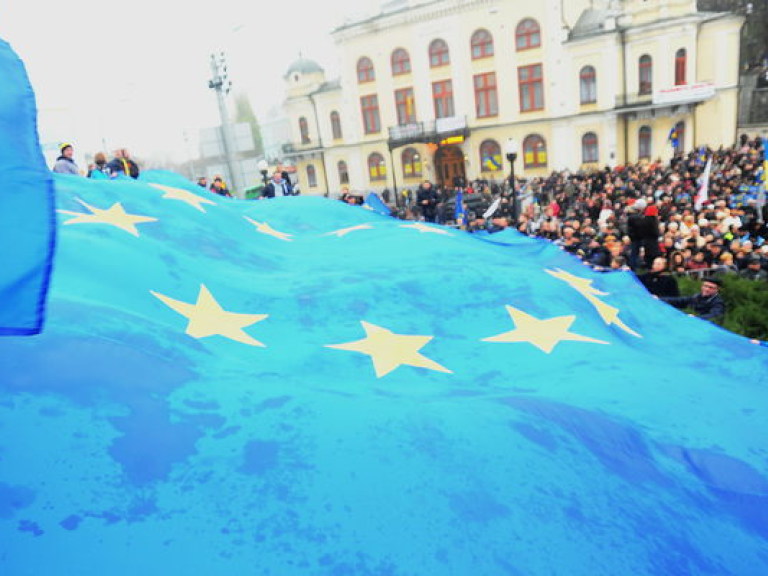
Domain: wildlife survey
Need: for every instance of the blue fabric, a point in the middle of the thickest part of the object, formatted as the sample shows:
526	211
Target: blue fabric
27	222
377	204
130	446
460	214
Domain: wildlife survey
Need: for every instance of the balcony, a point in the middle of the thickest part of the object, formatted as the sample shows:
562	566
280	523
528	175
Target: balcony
429	131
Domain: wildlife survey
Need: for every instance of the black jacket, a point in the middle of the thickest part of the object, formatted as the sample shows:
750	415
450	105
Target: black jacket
708	307
117	166
660	284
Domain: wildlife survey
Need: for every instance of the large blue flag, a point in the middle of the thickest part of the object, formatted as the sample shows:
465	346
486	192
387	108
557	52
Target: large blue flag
26	205
298	386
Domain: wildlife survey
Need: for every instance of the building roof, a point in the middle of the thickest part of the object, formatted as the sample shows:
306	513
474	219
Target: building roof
304	66
591	22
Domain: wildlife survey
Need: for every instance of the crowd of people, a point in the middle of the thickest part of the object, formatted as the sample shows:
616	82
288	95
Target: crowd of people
121	163
628	216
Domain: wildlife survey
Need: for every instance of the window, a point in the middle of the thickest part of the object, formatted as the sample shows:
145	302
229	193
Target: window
588	85
486	99
645	75
365	71
438	54
589	151
482	44
311	176
490	156
442	96
370	108
644	142
343	172
401	62
531	85
534	152
680	60
377	170
527	35
336	125
304	130
406	111
411	163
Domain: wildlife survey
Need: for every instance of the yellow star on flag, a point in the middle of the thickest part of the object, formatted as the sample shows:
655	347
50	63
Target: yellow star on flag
389	350
345	231
608	313
423	228
265	228
207	318
544	334
115	215
193	200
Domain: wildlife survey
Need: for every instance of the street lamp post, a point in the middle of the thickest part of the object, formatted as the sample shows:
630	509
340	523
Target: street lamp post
263	167
510	149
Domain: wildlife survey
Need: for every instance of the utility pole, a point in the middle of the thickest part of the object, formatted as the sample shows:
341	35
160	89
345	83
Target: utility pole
221	84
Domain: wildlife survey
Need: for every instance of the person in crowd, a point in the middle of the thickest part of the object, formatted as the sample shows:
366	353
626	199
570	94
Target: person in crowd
202	181
276	186
426	200
286	178
98	170
754	270
220	187
658	281
707	304
123	164
64	163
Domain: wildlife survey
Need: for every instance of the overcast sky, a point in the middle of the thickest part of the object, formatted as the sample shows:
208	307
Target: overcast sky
135	74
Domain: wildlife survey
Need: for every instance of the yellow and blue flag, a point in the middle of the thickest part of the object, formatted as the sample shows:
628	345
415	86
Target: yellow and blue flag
297	386
674	137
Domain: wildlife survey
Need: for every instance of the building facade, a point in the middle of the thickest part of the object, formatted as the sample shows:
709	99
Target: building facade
433	89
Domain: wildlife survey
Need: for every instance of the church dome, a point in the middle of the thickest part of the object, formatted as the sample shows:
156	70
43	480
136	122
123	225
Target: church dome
303	66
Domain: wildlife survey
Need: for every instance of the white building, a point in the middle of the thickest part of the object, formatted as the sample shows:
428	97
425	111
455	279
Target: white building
433	90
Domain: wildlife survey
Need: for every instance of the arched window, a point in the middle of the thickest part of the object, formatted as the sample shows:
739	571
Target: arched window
304	130
401	62
588	85
589	150
438	54
644	142
534	152
343	172
527	34
411	163
680	62
490	156
482	44
336	125
377	169
365	71
311	176
645	75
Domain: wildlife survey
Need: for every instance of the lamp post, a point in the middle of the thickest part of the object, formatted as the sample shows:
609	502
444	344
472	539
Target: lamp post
263	168
510	149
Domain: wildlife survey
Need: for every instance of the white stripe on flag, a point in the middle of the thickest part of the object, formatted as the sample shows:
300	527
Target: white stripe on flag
703	194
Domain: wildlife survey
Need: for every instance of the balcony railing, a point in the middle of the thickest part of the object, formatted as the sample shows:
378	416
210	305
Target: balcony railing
428	131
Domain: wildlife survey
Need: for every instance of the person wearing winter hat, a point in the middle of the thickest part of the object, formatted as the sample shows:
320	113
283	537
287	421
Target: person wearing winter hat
64	163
